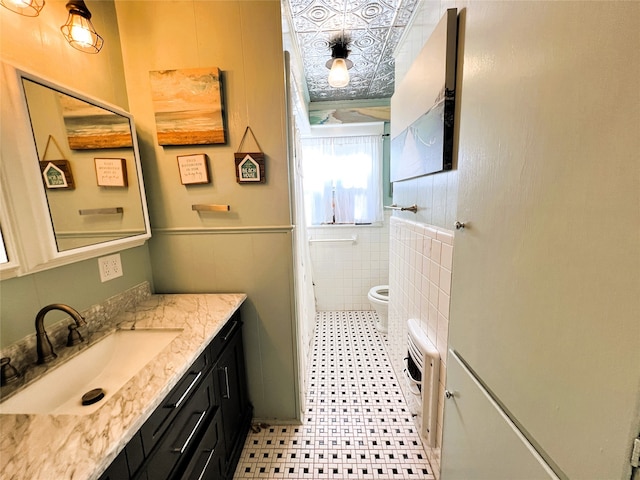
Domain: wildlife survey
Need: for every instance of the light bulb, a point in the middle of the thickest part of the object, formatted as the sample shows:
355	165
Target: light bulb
20	3
27	8
339	75
81	35
79	31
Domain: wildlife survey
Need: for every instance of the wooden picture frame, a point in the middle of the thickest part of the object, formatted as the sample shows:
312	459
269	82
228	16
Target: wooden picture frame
56	174
194	169
250	167
111	172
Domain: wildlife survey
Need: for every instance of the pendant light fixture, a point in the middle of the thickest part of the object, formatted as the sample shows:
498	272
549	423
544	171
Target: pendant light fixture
28	8
339	63
79	30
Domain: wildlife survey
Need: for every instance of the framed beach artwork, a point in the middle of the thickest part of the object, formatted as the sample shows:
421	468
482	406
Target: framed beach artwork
91	127
422	107
188	106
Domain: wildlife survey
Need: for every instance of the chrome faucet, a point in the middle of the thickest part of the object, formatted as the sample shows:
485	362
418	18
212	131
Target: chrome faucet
43	345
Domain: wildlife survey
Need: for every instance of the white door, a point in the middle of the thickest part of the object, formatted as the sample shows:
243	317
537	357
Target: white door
546	276
481	442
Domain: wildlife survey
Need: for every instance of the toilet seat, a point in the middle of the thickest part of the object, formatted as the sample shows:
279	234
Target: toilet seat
380	292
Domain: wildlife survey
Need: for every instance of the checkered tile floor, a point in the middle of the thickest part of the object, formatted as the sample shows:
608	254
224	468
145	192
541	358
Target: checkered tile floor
357	424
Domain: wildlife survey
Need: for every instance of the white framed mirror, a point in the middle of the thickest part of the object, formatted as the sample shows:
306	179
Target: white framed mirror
9	262
72	174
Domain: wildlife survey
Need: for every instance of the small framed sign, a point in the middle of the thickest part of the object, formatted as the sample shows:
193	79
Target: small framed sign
193	169
111	172
57	174
250	167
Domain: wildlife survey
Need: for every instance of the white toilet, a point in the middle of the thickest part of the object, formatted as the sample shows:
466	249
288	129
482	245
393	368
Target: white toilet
379	298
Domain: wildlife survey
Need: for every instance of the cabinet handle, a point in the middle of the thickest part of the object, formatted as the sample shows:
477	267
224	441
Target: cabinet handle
182	449
226	394
206	465
186	392
233	327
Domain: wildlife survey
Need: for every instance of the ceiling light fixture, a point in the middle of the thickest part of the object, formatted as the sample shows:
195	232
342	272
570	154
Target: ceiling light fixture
28	8
79	30
339	63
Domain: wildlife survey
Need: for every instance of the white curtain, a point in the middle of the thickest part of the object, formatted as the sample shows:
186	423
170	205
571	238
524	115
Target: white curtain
343	179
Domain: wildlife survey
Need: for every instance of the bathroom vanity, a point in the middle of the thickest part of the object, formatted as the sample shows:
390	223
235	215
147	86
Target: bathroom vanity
184	415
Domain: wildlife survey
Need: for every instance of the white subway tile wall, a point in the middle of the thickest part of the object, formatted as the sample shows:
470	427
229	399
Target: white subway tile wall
344	271
420	269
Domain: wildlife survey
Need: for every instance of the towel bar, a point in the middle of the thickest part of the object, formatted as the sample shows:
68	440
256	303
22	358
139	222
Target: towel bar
413	208
101	211
210	208
339	240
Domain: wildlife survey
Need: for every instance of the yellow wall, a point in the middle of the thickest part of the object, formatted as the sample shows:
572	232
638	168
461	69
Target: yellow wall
249	248
37	44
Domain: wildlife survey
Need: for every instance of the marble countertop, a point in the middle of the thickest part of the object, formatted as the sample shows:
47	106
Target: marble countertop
43	447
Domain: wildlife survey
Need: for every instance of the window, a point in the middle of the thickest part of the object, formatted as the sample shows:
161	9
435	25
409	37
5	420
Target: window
342	179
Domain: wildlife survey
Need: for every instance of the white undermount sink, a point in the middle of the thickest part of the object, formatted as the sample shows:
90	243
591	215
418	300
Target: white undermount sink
108	364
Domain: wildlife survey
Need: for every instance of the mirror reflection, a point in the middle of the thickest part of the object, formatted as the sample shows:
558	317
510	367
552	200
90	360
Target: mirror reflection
88	165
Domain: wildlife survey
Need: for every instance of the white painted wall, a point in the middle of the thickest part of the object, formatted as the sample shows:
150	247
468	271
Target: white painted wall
546	282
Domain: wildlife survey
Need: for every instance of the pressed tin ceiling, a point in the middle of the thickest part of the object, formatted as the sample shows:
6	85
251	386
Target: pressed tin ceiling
373	28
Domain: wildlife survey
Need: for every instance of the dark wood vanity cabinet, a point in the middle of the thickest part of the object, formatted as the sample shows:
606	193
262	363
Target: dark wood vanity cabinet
199	429
231	381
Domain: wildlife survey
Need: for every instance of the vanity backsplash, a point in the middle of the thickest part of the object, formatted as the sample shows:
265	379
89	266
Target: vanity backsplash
99	321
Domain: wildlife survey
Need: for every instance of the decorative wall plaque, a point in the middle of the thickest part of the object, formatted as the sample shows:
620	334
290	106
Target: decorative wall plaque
57	174
193	169
250	166
111	172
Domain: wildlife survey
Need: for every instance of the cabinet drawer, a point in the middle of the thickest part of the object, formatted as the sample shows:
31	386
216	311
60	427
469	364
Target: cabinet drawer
224	335
208	460
158	422
186	431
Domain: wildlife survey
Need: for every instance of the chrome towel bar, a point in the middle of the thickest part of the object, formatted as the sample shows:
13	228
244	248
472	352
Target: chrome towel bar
413	208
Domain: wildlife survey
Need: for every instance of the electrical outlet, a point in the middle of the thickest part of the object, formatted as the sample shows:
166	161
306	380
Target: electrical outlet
110	267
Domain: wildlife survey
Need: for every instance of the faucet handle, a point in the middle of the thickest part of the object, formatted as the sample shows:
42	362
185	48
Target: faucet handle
8	373
74	337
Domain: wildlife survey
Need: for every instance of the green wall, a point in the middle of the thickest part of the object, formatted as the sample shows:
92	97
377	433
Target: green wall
77	285
248	248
